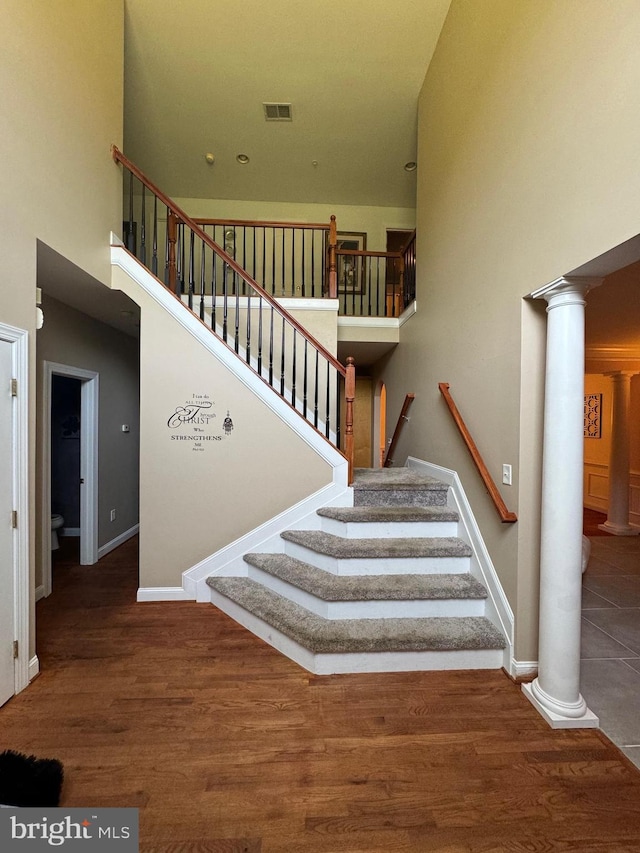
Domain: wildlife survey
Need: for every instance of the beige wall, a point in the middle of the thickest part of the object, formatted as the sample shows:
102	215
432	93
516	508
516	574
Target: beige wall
71	338
527	169
195	500
61	104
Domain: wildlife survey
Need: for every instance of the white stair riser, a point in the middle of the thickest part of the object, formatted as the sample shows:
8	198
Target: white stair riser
325	664
379	565
376	609
388	529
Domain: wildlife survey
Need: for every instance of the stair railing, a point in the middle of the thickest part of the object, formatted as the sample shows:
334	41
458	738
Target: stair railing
403	418
237	309
289	259
506	516
373	284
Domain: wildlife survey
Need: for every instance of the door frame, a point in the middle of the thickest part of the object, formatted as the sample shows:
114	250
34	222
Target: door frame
19	340
88	464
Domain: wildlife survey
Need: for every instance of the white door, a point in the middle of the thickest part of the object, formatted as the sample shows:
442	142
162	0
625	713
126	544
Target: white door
7	592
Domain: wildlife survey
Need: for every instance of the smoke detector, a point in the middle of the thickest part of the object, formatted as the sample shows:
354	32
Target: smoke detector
277	112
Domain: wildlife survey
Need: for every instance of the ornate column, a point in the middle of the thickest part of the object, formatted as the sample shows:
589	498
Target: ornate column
618	515
556	690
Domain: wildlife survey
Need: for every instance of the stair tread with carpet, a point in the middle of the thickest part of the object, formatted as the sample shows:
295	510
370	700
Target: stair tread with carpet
393	514
339	636
341	548
331	587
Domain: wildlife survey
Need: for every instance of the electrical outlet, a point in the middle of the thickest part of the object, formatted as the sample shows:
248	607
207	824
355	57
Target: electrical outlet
112	516
506	474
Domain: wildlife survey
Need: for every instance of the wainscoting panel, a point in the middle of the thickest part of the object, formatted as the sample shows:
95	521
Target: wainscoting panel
596	486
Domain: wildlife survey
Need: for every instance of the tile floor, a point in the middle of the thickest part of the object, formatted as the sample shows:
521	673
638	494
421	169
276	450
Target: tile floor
610	676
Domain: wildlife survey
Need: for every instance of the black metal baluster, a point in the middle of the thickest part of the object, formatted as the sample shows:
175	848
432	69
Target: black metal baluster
131	243
253	256
264	257
248	353
154	252
214	287
143	228
353	286
225	301
236	290
271	350
283	262
179	256
293	262
293	371
316	392
244	257
305	379
260	335
304	270
202	277
338	398
313	263
369	288
282	361
166	250
327	416
273	261
361	268
191	283
378	288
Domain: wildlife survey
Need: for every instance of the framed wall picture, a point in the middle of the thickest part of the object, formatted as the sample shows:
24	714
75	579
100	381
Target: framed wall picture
592	415
350	268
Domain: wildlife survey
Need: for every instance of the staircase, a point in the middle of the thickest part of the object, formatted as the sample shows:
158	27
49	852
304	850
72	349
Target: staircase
383	585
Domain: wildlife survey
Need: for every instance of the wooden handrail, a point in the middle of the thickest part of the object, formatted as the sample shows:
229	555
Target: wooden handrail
251	223
402	420
506	516
119	157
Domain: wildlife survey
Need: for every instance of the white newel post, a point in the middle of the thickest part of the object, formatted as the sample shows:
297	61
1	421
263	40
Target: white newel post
556	690
618	514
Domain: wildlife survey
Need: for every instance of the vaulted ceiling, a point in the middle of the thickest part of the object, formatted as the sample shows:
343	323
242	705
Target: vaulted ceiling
197	73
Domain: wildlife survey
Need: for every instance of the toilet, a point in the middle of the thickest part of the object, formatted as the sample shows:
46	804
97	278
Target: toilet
57	521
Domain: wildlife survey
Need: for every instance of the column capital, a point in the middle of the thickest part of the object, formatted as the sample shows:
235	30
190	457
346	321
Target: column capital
566	290
619	374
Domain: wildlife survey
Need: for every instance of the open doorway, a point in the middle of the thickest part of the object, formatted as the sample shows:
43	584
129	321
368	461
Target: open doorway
75	398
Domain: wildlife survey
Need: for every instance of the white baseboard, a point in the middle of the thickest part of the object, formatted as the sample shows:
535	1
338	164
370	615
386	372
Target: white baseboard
523	668
163	593
34	667
39	592
119	540
498	607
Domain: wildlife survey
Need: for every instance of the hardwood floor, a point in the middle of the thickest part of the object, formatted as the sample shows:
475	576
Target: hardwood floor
226	746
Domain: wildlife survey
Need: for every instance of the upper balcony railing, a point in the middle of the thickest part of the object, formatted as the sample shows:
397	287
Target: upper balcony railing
212	284
304	260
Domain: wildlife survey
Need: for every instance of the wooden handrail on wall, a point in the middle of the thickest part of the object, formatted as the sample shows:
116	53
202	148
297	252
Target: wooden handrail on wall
506	516
402	420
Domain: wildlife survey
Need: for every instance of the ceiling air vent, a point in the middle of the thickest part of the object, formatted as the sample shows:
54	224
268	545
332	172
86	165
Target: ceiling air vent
277	112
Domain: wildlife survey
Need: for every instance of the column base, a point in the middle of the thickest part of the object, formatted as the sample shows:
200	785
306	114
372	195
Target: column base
619	529
586	720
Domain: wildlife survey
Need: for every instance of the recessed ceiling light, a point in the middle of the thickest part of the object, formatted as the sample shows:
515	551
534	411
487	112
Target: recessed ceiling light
242	158
411	166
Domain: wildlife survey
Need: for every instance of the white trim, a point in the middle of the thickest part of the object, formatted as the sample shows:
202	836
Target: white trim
228	562
304	304
408	312
498	607
523	668
39	592
587	720
19	339
370	322
226	356
612	353
119	540
88	465
162	593
34	667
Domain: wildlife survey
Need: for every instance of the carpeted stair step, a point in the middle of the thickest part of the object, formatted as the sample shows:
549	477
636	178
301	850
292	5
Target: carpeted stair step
325	636
390	555
367	596
384	521
397	487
